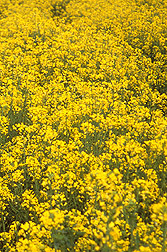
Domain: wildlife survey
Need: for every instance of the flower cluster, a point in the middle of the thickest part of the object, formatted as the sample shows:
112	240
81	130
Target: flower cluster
83	125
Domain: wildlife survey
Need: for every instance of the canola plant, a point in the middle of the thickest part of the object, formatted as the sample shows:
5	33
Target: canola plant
83	125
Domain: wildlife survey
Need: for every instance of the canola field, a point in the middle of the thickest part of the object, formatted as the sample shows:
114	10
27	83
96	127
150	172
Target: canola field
83	125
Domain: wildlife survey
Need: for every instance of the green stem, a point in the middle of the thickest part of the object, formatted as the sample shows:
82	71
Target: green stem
3	222
164	236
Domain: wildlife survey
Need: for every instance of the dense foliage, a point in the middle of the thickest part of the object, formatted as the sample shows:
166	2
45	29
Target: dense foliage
83	129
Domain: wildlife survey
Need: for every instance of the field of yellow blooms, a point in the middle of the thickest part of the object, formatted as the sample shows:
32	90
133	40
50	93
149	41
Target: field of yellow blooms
83	125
